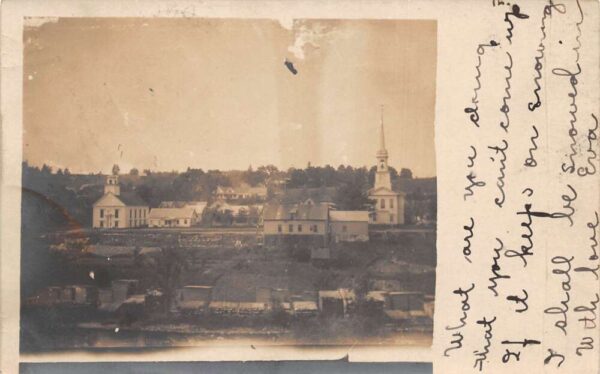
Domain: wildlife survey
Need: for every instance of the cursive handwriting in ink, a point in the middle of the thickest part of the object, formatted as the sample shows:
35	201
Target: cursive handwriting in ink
589	318
516	12
593	239
482	355
531	161
517	355
474	111
467	247
505	108
555	215
520	300
562	310
465	306
526	249
496	269
560	8
552	355
570	166
473	183
590	168
587	343
585	269
472	157
457	336
499	201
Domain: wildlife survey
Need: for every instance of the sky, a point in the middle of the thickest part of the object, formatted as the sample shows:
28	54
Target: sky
168	94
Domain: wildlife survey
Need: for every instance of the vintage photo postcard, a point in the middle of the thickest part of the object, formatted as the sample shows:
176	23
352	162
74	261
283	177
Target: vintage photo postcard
411	182
213	192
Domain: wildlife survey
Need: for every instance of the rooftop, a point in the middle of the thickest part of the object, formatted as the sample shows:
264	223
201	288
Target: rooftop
295	212
171	213
349	215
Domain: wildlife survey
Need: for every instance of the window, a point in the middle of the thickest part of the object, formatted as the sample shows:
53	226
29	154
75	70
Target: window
144	213
116	223
299	228
116	213
291	228
391	218
316	228
344	228
392	203
185	221
101	223
130	213
279	228
130	223
101	213
382	203
134	212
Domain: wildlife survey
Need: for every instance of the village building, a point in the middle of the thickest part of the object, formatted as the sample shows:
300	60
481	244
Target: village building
388	204
336	302
296	220
198	206
172	217
316	220
244	191
116	209
349	225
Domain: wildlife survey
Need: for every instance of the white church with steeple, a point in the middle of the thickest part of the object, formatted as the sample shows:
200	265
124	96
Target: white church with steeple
388	205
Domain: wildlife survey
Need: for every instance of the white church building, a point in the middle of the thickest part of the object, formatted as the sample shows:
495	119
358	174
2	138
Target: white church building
119	210
388	204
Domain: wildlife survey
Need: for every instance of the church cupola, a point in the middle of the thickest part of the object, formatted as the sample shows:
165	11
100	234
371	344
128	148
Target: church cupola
111	185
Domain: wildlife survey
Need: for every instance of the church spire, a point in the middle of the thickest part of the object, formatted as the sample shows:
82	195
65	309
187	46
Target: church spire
381	133
382	152
382	177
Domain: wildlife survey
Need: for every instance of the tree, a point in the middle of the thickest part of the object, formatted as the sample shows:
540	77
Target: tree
172	263
406	173
116	169
46	169
134	172
67	171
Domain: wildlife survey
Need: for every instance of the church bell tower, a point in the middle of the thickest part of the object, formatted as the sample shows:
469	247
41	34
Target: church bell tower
382	176
111	185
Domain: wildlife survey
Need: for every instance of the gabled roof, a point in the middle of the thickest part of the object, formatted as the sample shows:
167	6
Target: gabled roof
172	204
295	212
109	199
349	215
124	198
198	206
171	213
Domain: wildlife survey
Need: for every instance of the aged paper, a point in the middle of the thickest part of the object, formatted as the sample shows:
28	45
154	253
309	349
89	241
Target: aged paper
409	181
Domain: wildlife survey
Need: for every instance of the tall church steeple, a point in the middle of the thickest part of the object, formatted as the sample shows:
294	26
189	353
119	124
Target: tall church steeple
382	177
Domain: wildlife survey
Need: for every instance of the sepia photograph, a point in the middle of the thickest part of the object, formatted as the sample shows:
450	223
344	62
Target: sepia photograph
194	182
